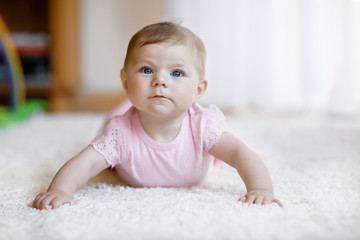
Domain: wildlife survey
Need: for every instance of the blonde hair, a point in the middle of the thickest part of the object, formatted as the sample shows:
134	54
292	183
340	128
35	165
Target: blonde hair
168	32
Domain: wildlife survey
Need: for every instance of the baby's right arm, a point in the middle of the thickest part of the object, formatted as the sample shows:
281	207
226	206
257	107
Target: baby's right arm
74	174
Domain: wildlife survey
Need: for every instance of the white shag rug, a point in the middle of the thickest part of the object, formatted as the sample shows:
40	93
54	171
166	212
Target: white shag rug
315	166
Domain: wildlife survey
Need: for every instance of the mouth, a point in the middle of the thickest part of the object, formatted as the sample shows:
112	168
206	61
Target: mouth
159	96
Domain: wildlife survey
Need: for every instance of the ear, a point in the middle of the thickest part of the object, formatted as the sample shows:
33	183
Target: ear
201	89
123	78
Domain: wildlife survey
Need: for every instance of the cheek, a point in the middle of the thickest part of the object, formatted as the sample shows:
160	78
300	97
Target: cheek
187	92
136	87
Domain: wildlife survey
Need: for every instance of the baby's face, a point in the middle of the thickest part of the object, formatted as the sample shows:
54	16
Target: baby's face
163	79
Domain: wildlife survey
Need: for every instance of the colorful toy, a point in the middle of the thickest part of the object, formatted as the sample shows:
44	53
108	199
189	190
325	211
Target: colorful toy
19	108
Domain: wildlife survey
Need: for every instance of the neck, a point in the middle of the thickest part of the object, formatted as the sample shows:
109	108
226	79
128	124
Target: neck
161	129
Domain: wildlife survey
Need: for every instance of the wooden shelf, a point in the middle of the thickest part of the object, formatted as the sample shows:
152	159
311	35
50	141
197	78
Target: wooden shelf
59	19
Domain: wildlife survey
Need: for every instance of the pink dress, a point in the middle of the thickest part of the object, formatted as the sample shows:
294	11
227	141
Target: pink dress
143	162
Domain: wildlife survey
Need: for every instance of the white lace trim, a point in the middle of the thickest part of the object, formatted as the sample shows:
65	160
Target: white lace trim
108	145
214	127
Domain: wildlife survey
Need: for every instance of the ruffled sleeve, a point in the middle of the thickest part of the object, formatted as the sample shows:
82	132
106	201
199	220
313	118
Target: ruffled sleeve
109	142
215	126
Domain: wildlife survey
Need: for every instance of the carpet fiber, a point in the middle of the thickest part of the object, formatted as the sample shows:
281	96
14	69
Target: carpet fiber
315	166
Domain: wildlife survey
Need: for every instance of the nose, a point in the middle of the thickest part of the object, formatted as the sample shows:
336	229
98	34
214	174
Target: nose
159	80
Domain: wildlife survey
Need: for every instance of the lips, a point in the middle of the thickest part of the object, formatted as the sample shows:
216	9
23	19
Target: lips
159	97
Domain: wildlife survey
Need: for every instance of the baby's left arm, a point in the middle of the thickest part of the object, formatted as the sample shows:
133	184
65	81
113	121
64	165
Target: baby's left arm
250	168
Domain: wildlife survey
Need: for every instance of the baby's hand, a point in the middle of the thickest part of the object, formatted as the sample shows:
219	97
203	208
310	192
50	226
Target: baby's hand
260	197
52	198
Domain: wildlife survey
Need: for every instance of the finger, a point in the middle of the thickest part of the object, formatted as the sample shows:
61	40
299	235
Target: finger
278	202
250	199
267	200
57	202
38	199
34	203
42	196
242	199
45	202
259	200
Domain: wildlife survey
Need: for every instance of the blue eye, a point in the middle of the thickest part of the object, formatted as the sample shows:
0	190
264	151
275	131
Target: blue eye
146	70
177	73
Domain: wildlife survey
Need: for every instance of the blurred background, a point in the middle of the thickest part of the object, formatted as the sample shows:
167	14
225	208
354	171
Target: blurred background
263	55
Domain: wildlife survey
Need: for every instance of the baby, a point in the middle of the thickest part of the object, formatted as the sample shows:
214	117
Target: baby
165	138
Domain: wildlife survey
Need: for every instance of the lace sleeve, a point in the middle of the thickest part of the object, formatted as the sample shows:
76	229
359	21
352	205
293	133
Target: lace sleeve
108	142
215	126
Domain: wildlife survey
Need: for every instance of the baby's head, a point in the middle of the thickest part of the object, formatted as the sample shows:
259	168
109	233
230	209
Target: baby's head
170	33
164	70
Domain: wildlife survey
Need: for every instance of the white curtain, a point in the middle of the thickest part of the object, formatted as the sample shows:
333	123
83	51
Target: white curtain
278	54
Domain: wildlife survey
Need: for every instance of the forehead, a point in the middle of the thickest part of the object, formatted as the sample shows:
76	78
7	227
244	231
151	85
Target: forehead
164	50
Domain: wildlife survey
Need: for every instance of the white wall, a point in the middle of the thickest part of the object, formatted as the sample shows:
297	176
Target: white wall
266	54
106	27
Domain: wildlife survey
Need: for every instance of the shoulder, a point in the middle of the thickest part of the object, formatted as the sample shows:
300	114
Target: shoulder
115	125
112	138
197	109
207	124
119	120
197	112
